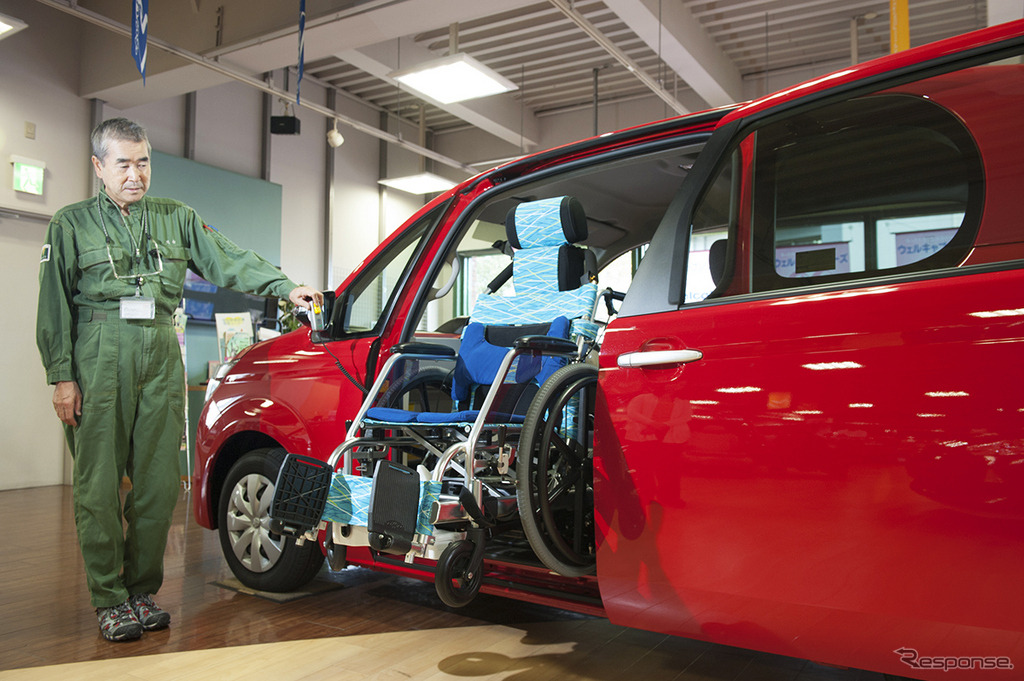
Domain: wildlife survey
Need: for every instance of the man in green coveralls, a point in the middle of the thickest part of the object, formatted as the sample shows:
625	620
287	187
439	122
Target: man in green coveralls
111	274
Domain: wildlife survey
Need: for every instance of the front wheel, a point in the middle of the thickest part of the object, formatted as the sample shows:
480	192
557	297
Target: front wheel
456	579
258	557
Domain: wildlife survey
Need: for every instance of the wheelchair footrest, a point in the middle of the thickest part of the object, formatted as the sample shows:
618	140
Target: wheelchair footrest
394	507
300	495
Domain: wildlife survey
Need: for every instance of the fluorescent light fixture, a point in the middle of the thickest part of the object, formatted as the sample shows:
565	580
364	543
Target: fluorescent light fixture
454	78
9	26
421	183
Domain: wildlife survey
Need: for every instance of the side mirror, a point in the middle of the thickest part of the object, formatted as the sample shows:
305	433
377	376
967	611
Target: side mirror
329	318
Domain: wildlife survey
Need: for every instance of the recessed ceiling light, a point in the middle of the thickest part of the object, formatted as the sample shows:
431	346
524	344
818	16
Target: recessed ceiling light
454	78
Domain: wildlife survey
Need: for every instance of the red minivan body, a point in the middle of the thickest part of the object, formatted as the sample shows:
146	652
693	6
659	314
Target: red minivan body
818	449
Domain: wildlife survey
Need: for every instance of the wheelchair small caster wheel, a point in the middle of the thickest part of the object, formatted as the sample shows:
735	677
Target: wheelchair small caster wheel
457	580
337	554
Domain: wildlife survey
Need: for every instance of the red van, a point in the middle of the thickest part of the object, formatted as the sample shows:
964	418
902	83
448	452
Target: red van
808	424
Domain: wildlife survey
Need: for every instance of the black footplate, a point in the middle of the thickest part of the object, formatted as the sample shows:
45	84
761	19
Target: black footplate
300	495
394	507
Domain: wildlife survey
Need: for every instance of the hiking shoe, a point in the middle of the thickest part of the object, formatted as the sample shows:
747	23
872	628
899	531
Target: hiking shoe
119	623
150	615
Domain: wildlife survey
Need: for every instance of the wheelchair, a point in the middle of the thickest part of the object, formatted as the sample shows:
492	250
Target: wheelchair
511	450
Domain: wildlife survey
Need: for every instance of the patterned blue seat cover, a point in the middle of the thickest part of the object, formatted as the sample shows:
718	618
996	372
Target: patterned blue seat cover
538	231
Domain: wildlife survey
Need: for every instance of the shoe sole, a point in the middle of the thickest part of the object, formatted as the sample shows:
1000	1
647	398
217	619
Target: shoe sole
160	623
131	635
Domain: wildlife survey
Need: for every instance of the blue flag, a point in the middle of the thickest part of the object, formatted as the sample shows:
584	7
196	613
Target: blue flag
302	47
140	34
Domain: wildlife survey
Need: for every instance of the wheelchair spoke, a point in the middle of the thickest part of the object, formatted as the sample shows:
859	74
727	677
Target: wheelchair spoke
555	473
570	448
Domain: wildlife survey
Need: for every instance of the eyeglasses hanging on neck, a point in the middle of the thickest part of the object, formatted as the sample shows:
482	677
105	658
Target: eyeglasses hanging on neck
146	237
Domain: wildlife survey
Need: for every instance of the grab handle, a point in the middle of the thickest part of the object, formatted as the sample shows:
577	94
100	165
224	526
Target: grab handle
656	357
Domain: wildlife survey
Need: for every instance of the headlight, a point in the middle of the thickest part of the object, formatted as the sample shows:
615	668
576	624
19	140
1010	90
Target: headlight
221	372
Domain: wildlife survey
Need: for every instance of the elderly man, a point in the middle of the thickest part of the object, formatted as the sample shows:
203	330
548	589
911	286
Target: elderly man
111	274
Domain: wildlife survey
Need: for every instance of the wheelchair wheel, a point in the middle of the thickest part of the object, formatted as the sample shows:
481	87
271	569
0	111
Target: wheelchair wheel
337	554
555	474
456	580
425	391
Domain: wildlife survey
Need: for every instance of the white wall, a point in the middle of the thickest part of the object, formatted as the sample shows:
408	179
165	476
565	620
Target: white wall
39	82
297	164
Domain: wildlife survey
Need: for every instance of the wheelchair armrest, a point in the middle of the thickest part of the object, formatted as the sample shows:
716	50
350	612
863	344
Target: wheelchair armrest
416	348
547	345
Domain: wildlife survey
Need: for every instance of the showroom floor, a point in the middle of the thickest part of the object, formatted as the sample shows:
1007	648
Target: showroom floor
356	624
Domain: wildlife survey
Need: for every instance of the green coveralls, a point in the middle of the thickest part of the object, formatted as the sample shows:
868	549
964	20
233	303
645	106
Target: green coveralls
129	371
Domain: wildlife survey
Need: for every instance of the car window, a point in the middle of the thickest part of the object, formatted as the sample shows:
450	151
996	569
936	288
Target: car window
618	276
885	183
475	264
713	221
371	294
624	199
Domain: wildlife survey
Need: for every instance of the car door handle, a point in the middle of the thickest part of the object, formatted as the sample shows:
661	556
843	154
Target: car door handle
655	357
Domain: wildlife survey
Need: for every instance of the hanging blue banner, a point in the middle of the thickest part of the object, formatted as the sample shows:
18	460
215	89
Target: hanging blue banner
302	47
140	34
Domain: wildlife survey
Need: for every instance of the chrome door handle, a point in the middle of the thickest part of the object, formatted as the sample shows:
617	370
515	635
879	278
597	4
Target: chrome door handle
655	357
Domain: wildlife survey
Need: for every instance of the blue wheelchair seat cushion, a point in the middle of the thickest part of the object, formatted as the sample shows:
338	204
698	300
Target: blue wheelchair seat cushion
387	415
391	415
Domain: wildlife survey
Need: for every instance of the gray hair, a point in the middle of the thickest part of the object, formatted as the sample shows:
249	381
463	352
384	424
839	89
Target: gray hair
116	129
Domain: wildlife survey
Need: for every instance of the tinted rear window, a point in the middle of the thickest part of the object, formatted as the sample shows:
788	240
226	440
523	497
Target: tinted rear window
887	182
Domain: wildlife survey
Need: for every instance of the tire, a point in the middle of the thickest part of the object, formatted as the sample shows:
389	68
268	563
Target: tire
337	554
259	558
425	390
555	473
455	580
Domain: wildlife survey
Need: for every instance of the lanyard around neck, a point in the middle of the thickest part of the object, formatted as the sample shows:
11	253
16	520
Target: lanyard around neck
136	260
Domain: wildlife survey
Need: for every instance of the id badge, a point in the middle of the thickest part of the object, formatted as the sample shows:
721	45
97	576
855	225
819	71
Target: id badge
138	307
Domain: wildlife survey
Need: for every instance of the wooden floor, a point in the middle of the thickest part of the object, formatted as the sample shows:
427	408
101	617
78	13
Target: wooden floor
357	625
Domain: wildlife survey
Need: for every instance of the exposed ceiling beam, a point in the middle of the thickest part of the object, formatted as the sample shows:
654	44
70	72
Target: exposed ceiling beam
619	55
271	42
385	21
678	38
104	22
501	115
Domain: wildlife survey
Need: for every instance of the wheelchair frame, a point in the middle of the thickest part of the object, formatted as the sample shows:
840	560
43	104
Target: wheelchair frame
461	523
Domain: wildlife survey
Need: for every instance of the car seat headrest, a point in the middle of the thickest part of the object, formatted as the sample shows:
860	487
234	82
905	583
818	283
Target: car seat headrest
716	260
547	222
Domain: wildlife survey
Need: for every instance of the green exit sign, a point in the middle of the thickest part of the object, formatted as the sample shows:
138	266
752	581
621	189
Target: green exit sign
28	175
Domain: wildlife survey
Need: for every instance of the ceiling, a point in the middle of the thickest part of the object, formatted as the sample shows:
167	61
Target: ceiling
553	61
694	54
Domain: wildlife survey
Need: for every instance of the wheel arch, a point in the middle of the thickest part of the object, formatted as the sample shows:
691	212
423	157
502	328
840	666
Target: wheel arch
234	448
240	426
